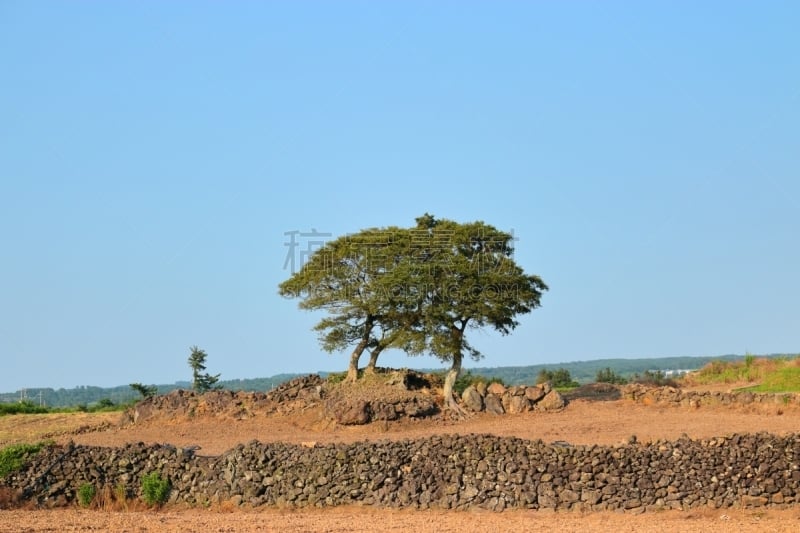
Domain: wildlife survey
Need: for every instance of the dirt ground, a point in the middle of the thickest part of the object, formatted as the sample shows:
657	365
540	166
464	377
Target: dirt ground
363	519
581	422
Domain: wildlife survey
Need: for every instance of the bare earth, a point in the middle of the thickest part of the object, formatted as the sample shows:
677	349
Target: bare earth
582	422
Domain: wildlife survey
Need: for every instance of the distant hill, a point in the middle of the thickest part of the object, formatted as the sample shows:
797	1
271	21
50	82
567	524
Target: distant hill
87	395
586	371
581	371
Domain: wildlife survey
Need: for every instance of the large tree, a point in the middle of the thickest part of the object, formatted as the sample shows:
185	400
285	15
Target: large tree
419	289
354	279
469	280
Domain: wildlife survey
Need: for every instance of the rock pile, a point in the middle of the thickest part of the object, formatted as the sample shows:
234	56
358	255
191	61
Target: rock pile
447	471
677	397
496	398
393	395
297	394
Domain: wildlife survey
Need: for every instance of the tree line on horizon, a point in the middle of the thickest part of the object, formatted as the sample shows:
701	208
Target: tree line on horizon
581	371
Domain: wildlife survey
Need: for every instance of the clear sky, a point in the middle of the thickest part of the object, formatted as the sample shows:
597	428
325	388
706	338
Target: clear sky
153	156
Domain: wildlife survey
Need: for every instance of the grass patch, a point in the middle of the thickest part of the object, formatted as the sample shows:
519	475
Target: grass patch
785	379
27	407
14	457
155	489
23	407
778	374
86	494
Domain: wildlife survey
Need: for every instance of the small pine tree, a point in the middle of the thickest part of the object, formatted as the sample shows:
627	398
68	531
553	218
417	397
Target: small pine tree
201	382
146	391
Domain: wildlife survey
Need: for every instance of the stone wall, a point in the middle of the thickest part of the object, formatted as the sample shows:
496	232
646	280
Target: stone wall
451	472
677	397
497	399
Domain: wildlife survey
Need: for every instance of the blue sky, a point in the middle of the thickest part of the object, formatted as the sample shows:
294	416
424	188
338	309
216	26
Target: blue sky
154	154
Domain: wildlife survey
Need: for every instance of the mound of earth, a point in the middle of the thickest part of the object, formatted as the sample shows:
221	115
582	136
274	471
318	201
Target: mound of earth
386	395
295	395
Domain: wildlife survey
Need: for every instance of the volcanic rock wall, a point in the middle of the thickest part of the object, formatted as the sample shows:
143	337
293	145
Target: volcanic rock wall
451	472
677	397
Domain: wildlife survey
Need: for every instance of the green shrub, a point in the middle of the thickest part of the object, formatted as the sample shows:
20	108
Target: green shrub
86	493
14	457
559	378
655	378
606	375
155	489
145	391
468	378
336	377
462	382
21	407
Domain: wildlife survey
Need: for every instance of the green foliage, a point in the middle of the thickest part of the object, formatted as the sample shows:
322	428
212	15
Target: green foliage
64	400
356	278
14	457
145	391
336	377
776	374
783	379
606	375
468	378
105	403
86	493
22	407
462	382
559	378
418	289
468	280
656	378
155	489
85	395
201	381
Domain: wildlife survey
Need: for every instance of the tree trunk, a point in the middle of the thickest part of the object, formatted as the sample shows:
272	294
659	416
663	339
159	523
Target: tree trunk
373	359
352	370
449	381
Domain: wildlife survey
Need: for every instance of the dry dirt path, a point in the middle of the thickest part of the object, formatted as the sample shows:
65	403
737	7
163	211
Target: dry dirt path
582	422
362	519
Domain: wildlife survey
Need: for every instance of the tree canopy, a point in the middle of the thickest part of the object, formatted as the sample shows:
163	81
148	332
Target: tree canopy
418	289
354	278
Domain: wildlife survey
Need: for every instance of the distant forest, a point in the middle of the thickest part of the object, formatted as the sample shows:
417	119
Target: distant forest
581	371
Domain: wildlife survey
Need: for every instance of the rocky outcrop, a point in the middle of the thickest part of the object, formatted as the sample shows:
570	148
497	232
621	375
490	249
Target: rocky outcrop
393	395
359	411
446	471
